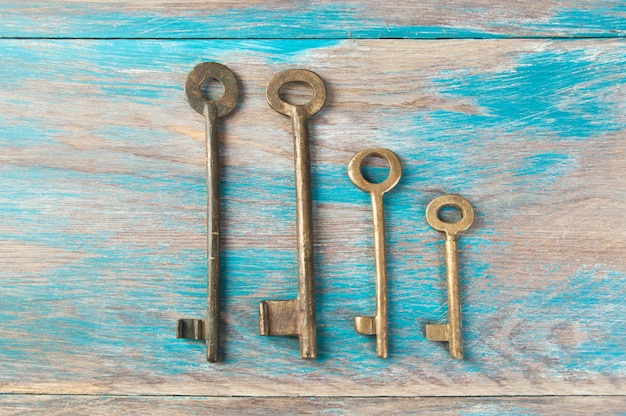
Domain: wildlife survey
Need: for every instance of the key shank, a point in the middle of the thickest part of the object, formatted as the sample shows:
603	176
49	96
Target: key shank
304	229
454	298
213	234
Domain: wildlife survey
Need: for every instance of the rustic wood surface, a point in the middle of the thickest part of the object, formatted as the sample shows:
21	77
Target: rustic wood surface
103	217
14	405
521	109
318	19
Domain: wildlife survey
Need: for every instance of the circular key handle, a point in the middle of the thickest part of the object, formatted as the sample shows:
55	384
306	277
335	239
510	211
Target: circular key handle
219	72
296	75
395	170
451	228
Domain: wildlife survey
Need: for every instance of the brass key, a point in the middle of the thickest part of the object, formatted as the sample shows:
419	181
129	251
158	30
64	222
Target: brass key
451	331
297	316
376	325
211	110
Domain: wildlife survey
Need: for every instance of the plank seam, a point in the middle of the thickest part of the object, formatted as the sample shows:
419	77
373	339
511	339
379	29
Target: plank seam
500	37
316	396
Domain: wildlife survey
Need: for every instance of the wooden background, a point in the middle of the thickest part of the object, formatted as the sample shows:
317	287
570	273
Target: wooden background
519	107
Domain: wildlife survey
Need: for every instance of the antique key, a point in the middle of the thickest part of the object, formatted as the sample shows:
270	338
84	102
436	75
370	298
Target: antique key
451	331
376	325
208	329
297	316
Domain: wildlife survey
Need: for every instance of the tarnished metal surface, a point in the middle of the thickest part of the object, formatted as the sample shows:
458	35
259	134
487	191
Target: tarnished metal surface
451	331
297	316
211	110
376	325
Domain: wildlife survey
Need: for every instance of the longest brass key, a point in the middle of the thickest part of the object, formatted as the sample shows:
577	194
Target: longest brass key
208	329
297	316
451	331
376	325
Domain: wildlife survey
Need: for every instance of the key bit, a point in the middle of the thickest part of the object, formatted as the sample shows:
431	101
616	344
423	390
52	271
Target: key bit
376	325
211	110
450	332
297	316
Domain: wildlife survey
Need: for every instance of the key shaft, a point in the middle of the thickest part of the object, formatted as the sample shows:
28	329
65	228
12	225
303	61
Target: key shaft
378	324
213	234
454	297
304	227
452	331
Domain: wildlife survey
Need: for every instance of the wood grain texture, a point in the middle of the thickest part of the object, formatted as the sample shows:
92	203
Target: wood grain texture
14	405
102	208
318	19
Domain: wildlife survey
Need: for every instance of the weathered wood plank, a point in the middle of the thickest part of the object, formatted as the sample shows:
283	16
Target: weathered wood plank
95	405
320	19
102	231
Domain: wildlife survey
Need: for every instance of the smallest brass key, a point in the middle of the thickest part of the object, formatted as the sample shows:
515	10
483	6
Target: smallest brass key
376	325
450	332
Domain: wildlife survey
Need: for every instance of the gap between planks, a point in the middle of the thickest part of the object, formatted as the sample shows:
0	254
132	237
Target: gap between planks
421	39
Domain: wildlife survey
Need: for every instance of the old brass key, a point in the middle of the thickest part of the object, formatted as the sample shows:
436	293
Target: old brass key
208	329
451	331
376	325
297	316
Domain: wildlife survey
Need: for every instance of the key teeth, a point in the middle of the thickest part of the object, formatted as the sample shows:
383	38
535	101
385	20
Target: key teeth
279	317
365	325
437	332
190	329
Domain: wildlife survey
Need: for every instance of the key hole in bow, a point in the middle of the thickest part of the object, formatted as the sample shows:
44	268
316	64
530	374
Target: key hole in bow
450	214
296	93
375	168
211	89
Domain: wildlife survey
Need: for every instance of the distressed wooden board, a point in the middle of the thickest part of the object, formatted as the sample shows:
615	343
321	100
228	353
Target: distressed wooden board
319	19
142	405
102	238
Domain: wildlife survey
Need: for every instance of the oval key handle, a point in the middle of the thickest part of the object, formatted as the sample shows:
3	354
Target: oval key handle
395	170
296	75
212	70
451	228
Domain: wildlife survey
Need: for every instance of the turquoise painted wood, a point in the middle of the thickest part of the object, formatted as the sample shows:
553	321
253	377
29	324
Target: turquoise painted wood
279	19
102	240
518	106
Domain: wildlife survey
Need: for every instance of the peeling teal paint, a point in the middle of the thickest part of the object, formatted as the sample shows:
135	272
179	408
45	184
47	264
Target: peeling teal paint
543	162
330	20
608	20
531	97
